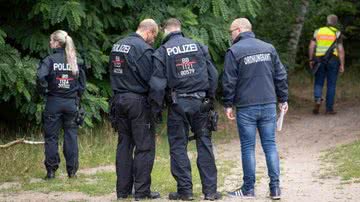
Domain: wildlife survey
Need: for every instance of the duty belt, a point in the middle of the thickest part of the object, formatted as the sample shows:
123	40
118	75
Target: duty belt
131	95
197	95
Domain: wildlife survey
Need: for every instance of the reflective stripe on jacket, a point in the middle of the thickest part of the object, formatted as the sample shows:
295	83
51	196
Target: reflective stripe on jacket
325	36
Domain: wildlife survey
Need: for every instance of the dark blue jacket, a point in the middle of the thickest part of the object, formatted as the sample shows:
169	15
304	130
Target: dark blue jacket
130	65
184	66
55	78
253	73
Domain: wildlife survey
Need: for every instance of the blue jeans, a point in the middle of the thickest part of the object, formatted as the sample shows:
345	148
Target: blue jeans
330	72
263	118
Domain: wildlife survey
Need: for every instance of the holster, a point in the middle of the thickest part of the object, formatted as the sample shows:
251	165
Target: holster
80	114
213	120
213	116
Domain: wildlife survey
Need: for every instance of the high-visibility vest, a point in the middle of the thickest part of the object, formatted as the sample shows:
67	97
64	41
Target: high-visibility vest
325	36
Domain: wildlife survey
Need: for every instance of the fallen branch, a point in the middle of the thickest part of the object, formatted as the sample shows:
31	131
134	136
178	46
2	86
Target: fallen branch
19	141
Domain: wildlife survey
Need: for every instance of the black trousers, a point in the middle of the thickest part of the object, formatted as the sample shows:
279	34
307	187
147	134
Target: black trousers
182	116
60	113
136	146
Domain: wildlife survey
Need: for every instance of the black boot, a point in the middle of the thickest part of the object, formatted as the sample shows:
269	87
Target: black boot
152	195
50	175
72	175
213	196
183	197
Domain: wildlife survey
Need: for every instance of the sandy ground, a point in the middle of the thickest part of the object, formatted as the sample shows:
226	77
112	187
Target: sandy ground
301	143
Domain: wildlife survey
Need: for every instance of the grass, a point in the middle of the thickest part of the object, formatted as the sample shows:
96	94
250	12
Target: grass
343	161
24	163
88	184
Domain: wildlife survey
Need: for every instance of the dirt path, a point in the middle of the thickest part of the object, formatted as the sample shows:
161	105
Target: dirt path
300	144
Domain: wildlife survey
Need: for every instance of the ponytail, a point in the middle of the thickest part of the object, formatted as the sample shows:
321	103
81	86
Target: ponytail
66	41
71	55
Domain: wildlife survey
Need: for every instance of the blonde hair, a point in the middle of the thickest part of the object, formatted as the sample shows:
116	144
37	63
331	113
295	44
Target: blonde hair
148	24
242	23
66	41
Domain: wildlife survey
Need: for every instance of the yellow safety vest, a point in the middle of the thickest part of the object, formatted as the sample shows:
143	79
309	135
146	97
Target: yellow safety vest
325	36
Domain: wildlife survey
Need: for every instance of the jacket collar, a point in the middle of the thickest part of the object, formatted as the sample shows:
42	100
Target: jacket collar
134	34
244	35
332	28
172	35
58	50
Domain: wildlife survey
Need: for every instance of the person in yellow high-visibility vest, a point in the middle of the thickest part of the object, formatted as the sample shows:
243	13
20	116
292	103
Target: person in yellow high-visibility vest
323	38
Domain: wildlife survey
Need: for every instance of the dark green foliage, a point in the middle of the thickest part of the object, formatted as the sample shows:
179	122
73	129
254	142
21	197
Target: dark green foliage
25	27
95	26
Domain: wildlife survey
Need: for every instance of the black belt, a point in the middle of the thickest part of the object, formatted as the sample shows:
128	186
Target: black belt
131	95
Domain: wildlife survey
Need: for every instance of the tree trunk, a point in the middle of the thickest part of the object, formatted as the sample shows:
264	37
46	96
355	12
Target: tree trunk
296	32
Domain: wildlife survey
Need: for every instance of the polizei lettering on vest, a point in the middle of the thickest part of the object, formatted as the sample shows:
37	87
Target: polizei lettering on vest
61	67
257	58
186	48
122	48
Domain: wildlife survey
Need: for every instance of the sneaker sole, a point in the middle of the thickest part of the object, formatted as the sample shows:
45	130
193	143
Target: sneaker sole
275	197
242	197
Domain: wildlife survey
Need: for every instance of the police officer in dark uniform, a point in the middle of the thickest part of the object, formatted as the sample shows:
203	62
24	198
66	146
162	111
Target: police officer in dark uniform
130	71
183	67
62	82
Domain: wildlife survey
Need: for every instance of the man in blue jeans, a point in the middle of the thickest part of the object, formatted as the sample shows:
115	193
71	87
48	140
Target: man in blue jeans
322	40
254	80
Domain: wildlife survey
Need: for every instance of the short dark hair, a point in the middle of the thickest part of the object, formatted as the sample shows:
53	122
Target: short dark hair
172	22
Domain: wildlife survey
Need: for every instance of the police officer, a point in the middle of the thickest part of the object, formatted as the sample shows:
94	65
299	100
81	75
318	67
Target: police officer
184	67
130	71
254	80
60	79
322	40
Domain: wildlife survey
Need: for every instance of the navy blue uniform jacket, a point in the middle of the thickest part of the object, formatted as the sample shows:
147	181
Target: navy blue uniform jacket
253	73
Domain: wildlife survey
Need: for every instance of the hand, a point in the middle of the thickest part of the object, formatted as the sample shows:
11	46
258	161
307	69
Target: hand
229	113
157	117
156	114
311	64
284	106
341	68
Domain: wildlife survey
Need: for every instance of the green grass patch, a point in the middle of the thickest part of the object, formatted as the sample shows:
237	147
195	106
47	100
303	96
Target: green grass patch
93	185
21	162
343	161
